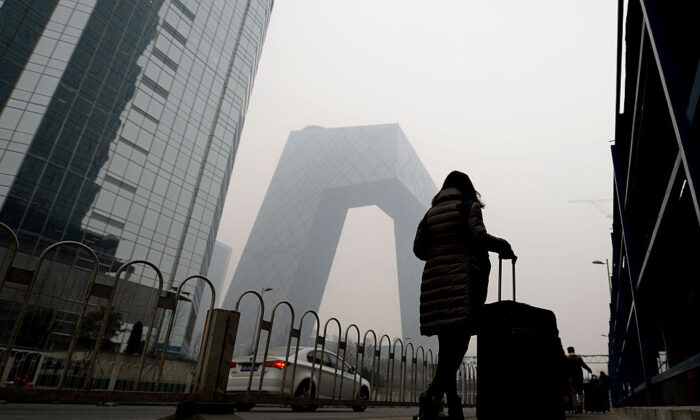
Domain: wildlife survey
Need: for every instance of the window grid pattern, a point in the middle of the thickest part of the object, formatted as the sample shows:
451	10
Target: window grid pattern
152	184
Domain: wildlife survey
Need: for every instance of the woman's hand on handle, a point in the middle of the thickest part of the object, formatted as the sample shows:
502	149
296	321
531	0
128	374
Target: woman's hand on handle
508	254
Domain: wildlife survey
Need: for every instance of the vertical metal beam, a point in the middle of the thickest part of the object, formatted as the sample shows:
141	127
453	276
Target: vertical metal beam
12	253
637	112
659	218
674	93
621	312
617	332
633	273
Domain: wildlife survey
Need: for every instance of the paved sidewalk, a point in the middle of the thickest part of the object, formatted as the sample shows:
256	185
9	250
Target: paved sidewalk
471	414
154	412
593	416
606	416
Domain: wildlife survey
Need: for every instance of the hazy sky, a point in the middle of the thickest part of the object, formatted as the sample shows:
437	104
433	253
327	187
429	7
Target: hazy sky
519	95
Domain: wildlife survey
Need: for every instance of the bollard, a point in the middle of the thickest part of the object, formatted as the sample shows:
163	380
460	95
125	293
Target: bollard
217	357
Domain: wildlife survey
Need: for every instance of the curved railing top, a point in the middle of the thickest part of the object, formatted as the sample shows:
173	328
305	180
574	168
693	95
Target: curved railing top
413	350
318	321
13	252
127	264
200	277
260	300
11	233
325	327
430	352
70	243
287	304
364	337
393	347
381	340
347	330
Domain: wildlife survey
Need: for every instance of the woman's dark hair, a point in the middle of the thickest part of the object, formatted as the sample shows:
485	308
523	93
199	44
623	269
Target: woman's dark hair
461	181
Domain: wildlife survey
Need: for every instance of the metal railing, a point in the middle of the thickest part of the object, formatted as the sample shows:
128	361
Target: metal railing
395	371
79	374
401	383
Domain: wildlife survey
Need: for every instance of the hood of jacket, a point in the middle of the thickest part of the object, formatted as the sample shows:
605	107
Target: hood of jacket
448	194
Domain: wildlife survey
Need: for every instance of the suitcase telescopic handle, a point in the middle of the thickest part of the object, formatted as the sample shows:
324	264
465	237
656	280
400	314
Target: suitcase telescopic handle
500	277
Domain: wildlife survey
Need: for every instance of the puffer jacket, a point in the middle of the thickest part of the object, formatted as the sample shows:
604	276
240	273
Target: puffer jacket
453	241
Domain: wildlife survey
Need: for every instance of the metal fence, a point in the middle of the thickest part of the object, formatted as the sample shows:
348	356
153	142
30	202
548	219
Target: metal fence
82	365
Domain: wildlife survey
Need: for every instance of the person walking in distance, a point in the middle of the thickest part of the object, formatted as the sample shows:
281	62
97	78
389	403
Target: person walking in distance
453	241
576	365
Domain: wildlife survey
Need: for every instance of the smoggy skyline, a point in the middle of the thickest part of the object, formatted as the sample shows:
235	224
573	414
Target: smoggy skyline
518	95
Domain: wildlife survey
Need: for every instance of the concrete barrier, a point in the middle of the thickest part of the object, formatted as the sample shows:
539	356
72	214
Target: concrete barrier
658	413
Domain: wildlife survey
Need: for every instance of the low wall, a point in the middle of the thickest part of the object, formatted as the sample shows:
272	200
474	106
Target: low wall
658	413
115	371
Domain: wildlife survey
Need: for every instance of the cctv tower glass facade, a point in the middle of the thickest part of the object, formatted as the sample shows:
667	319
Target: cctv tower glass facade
322	173
119	124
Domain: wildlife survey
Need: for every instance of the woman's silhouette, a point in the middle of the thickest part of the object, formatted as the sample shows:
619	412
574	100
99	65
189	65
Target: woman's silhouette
453	241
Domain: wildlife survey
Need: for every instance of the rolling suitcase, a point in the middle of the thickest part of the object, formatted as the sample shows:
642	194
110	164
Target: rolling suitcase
520	361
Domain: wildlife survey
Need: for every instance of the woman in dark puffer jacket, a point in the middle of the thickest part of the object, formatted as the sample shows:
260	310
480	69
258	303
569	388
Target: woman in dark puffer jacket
453	241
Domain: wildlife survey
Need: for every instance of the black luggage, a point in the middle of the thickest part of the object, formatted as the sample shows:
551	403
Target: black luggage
520	362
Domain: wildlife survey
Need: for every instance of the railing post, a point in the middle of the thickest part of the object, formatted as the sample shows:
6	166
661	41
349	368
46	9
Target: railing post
10	258
114	375
8	365
217	357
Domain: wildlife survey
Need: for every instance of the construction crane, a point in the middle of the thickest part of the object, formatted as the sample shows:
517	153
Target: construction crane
597	204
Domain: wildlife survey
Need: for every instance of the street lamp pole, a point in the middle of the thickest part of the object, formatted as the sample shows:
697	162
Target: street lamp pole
257	320
607	273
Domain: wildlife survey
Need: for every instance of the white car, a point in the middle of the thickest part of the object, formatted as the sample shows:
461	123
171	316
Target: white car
324	372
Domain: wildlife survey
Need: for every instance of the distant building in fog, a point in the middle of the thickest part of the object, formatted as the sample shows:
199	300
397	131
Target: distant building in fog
322	173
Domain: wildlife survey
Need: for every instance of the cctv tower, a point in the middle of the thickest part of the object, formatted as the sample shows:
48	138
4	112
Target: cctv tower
322	173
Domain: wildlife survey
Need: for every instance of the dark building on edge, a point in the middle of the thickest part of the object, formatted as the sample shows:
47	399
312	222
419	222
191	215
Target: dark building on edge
655	306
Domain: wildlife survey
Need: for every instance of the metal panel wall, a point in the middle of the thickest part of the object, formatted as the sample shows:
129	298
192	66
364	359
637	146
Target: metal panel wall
654	334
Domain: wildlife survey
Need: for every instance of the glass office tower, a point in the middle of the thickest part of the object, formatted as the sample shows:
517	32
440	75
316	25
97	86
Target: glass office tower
119	124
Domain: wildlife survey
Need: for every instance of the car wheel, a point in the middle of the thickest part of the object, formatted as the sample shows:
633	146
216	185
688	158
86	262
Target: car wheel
244	406
305	391
363	396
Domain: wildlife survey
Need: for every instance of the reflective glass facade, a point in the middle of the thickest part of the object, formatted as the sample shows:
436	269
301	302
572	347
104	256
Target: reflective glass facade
119	124
322	173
